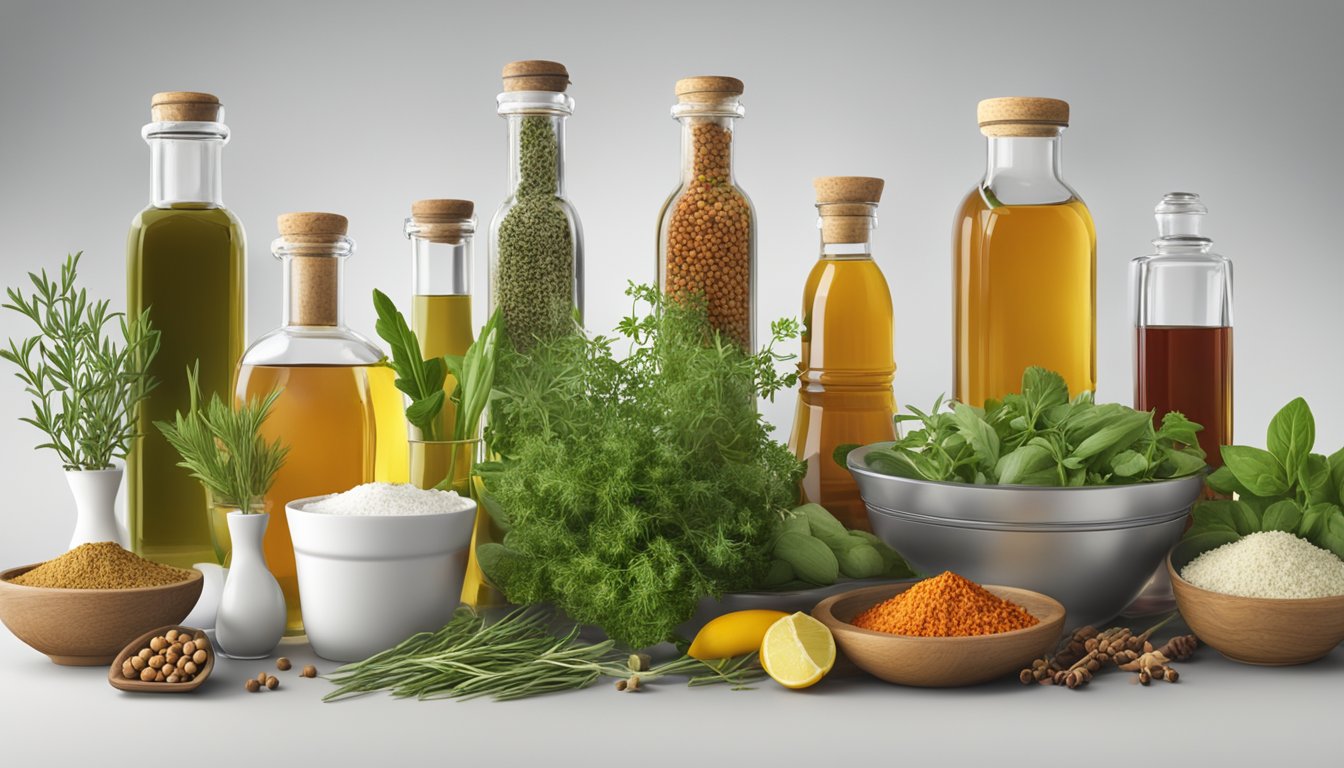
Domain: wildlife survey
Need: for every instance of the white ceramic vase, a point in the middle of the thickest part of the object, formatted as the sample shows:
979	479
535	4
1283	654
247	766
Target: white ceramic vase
251	617
95	492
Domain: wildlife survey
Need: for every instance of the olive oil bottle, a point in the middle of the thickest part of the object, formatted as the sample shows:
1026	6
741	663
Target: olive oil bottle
325	412
847	362
185	263
1024	260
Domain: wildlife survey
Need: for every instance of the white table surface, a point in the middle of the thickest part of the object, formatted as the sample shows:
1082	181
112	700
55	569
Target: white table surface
1220	713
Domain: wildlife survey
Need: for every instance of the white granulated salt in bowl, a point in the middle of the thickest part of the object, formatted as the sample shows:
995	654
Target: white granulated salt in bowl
389	500
1271	564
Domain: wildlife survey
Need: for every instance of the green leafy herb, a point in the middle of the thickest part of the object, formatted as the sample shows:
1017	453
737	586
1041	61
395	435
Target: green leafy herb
514	657
1040	437
86	390
223	447
1286	488
630	487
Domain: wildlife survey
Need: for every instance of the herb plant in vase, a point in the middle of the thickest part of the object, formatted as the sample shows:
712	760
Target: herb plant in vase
223	448
86	389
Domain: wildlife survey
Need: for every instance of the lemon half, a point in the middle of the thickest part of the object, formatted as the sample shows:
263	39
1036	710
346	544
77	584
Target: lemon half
797	651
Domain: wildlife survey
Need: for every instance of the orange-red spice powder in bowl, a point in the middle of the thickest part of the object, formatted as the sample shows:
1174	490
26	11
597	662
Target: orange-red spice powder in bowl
945	606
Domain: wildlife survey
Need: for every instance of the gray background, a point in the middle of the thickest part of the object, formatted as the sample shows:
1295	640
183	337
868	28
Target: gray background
361	108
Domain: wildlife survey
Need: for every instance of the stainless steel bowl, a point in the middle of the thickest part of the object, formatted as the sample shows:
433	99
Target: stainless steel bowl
1093	549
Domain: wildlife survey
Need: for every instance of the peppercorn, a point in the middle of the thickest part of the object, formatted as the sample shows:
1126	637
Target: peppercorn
252	685
309	671
282	664
272	683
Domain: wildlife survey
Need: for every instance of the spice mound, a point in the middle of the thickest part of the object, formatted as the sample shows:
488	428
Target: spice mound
1269	564
389	500
945	606
104	565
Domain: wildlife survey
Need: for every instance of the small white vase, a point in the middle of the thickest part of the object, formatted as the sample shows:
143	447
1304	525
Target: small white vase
251	617
95	492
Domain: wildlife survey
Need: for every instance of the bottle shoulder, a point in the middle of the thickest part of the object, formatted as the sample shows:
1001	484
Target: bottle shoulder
312	345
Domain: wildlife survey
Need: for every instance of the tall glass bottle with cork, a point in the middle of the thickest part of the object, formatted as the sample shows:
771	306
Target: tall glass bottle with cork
847	362
536	243
186	257
707	227
1183	325
325	411
441	233
1024	260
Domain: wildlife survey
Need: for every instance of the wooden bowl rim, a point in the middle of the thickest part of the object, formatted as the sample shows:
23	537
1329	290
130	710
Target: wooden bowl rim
1332	601
1054	614
119	681
5	577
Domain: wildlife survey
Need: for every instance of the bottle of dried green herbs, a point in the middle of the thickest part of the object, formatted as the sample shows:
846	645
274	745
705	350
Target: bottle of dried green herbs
536	247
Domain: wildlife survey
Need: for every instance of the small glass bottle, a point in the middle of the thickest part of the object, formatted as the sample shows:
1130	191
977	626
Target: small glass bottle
441	233
536	242
1183	325
1024	260
325	411
847	363
186	264
707	227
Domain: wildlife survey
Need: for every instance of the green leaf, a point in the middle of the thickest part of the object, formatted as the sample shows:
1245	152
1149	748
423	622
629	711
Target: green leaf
896	462
1336	462
1042	389
1292	433
1236	515
1223	481
1283	515
1331	536
1123	430
978	434
1313	478
1178	429
1024	463
1129	463
841	453
1204	541
1313	520
1256	469
424	411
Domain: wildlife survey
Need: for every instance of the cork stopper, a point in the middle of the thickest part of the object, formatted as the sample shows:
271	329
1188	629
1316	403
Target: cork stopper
443	220
184	106
536	75
846	205
708	89
1022	116
314	269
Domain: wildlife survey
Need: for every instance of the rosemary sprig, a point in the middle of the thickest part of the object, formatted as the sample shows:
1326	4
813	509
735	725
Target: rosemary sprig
223	447
86	390
512	658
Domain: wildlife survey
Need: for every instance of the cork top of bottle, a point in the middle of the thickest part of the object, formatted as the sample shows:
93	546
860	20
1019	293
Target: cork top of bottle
441	220
184	106
708	88
312	227
536	75
1022	116
847	189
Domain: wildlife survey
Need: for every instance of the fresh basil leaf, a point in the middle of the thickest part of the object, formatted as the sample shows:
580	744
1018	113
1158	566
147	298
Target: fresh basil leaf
1207	540
1256	469
1313	477
1177	428
1223	481
1283	515
423	411
1022	463
1331	536
1336	462
894	462
1129	463
1213	514
1292	433
1042	389
1183	461
978	434
1123	430
1313	520
841	453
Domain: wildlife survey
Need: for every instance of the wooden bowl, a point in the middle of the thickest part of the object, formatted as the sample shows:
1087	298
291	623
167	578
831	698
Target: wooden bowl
88	627
119	681
1258	630
940	662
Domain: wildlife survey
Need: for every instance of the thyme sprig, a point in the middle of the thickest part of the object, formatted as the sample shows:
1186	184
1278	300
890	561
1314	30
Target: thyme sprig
517	656
86	389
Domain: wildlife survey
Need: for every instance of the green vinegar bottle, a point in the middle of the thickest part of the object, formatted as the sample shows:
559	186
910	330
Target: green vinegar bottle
186	258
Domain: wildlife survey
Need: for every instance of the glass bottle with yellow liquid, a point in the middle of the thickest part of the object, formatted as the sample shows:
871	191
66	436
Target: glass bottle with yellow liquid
186	257
847	362
1024	260
325	412
441	234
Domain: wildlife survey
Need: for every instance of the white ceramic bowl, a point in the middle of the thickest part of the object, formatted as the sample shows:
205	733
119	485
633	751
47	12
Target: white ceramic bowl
369	582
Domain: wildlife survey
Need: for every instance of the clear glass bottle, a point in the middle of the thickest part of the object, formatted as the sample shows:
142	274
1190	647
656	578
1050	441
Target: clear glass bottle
536	242
1183	324
707	227
847	362
186	260
325	412
1024	260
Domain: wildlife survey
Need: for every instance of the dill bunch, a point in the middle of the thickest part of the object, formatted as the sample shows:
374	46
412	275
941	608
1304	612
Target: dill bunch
630	488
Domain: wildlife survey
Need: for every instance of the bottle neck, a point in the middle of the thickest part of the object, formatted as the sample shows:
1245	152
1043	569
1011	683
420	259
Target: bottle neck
313	270
846	230
186	171
1025	169
707	149
441	258
536	154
